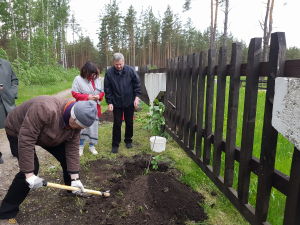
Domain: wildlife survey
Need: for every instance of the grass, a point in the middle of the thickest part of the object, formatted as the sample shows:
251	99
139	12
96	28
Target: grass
27	92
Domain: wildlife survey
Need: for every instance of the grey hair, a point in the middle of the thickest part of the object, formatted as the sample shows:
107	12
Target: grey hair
118	56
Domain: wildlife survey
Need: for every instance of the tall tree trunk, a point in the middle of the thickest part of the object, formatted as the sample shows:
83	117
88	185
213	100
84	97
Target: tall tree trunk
14	27
211	23
267	29
226	12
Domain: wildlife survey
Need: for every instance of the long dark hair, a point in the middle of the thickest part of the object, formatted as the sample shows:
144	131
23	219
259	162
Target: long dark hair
89	70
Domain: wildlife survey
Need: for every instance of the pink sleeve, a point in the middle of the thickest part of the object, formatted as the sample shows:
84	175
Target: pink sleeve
79	96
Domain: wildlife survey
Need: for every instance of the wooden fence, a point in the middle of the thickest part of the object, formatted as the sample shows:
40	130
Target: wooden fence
189	101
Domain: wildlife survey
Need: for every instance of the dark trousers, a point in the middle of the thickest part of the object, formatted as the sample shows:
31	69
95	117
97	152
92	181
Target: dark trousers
19	189
128	117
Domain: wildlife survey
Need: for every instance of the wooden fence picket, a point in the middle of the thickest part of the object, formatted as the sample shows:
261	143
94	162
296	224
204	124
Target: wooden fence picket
210	83
220	105
233	103
254	55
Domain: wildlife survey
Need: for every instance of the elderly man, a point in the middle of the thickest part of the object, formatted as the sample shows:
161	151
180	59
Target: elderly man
122	88
8	93
54	124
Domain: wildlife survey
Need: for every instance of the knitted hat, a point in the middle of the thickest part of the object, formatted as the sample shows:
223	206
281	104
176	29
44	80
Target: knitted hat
84	113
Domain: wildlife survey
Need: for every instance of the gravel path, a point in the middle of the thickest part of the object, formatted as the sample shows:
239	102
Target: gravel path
10	166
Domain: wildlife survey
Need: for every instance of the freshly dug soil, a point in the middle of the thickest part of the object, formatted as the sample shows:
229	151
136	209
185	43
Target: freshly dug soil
138	196
106	116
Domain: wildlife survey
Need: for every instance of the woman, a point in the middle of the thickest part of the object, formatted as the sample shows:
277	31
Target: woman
87	86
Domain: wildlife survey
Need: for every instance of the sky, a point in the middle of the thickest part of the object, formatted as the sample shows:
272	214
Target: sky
244	16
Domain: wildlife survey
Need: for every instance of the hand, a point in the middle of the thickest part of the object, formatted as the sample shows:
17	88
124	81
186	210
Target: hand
110	107
91	97
136	102
34	182
78	184
96	97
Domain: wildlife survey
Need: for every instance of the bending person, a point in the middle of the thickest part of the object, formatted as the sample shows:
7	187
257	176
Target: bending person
54	124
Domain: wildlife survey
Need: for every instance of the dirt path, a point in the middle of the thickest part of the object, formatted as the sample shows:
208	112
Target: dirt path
10	166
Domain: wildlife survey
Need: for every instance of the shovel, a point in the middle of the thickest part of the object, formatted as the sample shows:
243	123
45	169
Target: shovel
70	188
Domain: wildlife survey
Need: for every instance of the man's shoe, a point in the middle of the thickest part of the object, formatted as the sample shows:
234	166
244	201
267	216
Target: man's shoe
128	145
93	150
115	149
8	221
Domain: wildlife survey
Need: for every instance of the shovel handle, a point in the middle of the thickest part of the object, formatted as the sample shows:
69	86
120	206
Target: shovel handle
70	188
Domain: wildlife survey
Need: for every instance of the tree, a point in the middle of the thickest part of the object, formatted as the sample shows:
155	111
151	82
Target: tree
226	12
267	28
293	53
103	44
129	30
167	33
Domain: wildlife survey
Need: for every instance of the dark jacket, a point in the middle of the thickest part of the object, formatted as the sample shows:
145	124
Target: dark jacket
39	121
121	87
9	92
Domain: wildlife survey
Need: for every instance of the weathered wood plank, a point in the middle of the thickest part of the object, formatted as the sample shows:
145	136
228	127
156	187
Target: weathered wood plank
292	68
195	69
254	55
200	102
179	97
233	105
183	97
175	80
269	136
209	104
187	115
220	105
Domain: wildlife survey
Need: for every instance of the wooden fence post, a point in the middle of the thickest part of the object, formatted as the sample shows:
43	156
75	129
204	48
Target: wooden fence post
233	103
178	97
209	105
176	88
269	135
200	102
220	105
254	55
195	69
187	101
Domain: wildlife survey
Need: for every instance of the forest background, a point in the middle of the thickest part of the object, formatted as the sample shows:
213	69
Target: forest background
33	37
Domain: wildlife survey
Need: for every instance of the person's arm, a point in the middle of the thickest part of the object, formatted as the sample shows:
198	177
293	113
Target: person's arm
80	97
72	153
108	89
136	84
14	84
101	95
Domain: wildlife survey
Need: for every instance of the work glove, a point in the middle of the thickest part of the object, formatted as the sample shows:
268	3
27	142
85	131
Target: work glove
35	182
78	184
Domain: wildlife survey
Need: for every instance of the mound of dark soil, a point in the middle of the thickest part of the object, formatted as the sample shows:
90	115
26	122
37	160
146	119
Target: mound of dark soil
106	116
155	198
